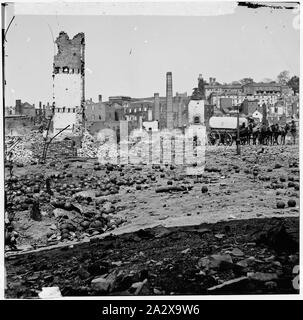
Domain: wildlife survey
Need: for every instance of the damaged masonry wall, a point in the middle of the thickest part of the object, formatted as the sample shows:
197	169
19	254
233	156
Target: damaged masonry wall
69	82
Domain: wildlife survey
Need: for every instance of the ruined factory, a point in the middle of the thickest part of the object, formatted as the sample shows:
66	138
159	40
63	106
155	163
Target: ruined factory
187	193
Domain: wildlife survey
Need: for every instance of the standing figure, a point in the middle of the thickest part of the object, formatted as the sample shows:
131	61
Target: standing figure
255	134
276	133
293	130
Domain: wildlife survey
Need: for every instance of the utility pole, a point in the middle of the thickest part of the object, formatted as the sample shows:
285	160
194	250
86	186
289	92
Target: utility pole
3	37
3	56
238	132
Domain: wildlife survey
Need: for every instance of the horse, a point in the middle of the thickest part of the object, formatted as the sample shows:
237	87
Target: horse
249	132
275	133
264	134
244	132
284	131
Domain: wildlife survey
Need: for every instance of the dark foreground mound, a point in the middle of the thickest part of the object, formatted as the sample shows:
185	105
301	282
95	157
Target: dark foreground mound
254	256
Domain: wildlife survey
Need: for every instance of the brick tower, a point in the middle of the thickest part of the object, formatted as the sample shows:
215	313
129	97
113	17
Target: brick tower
69	76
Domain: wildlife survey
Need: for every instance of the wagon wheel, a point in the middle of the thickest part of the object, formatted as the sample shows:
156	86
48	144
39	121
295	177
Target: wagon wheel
213	137
228	139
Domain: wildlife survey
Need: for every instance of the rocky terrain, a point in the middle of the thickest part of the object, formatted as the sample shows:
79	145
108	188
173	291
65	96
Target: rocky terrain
255	256
73	203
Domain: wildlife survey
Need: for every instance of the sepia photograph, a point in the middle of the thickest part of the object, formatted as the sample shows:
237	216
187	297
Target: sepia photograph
150	149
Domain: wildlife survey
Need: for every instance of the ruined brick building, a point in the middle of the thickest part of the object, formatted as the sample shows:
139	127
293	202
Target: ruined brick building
69	81
72	110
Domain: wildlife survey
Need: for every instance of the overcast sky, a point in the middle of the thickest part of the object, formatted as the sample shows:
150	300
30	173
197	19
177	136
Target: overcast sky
130	55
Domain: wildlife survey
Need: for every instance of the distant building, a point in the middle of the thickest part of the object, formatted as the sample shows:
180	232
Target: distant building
9	111
18	125
265	88
248	107
258	116
25	109
226	104
122	100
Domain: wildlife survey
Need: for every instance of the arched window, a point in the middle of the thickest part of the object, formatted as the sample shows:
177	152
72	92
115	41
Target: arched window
196	120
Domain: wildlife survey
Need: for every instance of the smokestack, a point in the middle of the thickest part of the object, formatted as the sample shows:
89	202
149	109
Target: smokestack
156	107
100	97
40	105
18	107
180	113
169	101
210	80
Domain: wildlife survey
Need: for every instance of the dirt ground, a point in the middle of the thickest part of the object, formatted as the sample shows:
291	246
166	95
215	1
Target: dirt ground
91	202
255	256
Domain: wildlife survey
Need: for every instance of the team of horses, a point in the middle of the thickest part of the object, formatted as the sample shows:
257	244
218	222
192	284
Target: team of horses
265	134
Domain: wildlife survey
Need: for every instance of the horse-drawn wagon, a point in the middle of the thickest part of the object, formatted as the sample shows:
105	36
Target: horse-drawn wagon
223	130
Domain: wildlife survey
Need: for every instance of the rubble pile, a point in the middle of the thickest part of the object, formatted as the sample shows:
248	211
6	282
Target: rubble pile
81	189
89	146
76	202
80	200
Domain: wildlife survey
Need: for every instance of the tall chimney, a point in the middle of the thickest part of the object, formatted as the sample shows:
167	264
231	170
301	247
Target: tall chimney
169	101
18	107
180	113
156	107
100	97
210	80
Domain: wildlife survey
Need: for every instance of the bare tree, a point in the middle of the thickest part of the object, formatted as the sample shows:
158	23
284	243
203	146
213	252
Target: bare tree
48	141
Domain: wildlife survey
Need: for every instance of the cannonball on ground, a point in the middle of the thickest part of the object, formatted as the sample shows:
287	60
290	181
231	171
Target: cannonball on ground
204	189
84	224
291	203
291	184
280	205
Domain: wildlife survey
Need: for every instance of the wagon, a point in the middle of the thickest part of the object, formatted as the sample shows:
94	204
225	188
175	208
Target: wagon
223	130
